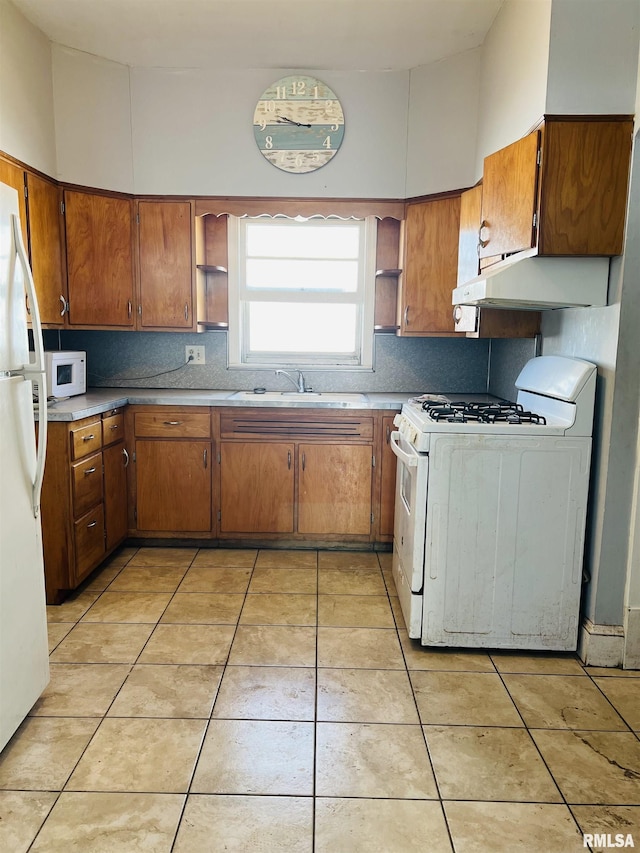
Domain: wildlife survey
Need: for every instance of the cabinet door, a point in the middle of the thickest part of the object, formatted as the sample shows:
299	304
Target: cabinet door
164	244
388	479
45	235
430	266
509	198
99	260
469	237
173	480
335	488
256	487
14	176
115	493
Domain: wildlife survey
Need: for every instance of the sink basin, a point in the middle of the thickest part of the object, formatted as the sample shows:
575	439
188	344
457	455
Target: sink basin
295	396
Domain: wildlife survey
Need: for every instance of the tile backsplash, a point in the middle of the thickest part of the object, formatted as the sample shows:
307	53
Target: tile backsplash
156	360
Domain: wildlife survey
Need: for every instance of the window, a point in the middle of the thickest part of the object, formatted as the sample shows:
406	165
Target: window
301	291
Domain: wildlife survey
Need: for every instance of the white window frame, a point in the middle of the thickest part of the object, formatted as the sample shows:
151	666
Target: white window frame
240	298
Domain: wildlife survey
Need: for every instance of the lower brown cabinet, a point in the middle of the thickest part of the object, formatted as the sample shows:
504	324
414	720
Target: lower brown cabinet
297	474
170	482
84	499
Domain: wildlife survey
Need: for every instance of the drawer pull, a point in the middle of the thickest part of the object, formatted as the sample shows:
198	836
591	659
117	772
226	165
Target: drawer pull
89	471
88	437
114	426
91	524
172	423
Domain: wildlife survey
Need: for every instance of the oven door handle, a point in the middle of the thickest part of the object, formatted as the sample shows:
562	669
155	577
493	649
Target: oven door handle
409	459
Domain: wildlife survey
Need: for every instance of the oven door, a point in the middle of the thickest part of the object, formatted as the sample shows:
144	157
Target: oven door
409	530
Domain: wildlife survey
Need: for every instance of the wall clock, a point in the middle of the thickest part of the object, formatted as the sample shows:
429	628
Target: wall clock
298	124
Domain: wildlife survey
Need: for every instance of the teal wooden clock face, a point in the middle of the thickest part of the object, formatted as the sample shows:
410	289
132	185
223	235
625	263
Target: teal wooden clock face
298	124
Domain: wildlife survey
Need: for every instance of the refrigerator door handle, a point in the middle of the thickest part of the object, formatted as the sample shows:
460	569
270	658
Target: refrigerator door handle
36	371
38	366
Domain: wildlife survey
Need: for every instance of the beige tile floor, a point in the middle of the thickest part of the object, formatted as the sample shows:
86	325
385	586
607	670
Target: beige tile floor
243	700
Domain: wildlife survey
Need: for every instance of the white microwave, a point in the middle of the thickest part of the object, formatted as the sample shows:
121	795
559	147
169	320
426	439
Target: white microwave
66	373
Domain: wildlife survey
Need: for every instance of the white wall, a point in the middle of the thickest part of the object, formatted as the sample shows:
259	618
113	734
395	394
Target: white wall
593	57
513	79
189	131
443	122
26	93
93	120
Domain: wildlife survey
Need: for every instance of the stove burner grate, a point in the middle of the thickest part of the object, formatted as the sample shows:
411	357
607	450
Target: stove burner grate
488	413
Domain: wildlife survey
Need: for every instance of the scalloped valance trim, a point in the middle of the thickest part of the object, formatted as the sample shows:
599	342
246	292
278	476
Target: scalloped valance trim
305	207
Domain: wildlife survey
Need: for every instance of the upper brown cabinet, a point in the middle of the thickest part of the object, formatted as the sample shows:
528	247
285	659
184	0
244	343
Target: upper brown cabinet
561	190
13	175
429	266
99	260
46	244
166	299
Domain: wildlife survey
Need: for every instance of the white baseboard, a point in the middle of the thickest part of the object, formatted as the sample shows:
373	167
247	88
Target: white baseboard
601	645
631	659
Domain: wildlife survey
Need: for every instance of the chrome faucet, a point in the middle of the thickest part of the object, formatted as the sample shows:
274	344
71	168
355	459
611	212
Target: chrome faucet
299	384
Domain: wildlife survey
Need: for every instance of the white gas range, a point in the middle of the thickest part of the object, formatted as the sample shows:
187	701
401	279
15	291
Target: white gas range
490	511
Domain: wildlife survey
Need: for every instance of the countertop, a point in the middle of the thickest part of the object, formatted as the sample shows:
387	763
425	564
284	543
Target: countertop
99	400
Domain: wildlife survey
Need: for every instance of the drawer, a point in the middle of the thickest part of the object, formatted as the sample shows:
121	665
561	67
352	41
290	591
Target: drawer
89	539
86	439
112	429
173	425
86	478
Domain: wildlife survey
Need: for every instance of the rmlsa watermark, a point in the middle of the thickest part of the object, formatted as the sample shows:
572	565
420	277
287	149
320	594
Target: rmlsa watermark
599	840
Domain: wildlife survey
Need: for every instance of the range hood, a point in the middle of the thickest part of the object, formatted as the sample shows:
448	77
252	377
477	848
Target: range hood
537	283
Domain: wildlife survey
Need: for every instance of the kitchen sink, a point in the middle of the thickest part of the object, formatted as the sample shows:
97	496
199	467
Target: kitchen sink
295	396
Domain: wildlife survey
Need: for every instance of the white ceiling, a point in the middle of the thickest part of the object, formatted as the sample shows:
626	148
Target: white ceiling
362	35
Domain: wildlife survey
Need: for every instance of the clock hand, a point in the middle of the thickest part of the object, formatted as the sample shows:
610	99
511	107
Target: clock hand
291	121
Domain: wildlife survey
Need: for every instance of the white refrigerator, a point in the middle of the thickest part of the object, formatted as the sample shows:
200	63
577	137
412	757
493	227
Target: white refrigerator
24	663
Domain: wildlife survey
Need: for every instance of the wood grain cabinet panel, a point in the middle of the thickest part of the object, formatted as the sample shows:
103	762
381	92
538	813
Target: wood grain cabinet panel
166	269
85	438
86	478
173	482
335	489
115	460
14	176
99	259
429	266
256	487
84	502
46	242
509	198
89	542
561	190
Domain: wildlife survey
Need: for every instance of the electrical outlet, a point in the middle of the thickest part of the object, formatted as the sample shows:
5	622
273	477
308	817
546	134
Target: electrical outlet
194	355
